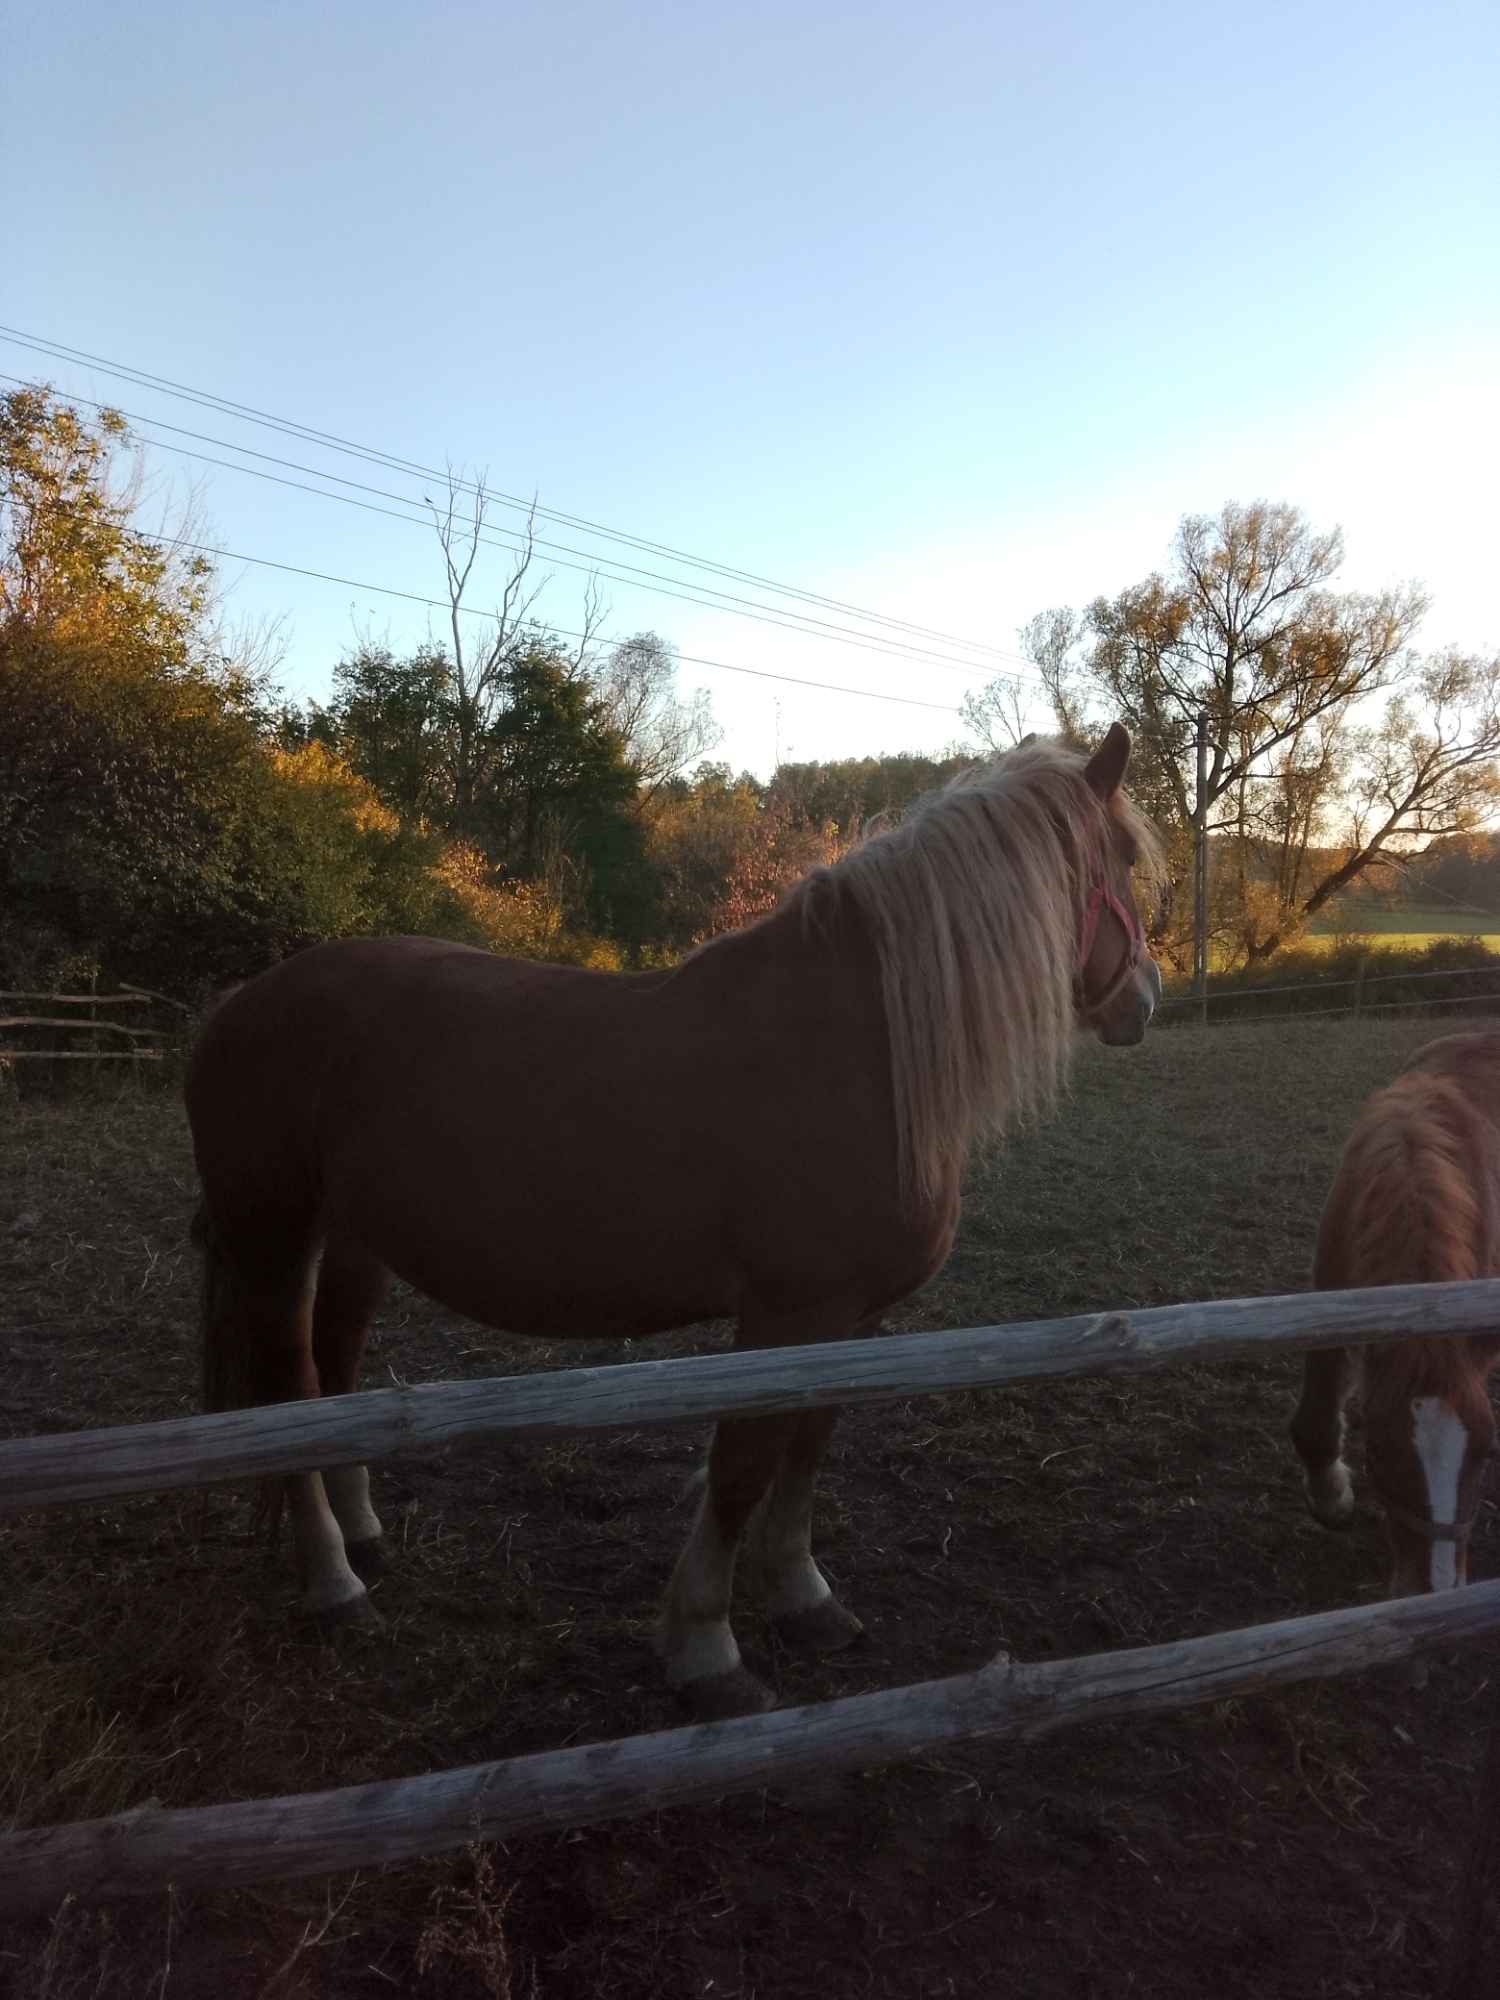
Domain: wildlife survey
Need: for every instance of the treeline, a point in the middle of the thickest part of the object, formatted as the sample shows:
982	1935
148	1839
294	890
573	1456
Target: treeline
167	817
1461	872
1457	872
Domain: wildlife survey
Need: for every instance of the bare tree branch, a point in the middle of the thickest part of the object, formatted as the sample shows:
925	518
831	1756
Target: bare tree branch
479	669
662	733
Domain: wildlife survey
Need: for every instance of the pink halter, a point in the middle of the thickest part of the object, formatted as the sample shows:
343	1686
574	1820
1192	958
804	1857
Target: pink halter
1100	899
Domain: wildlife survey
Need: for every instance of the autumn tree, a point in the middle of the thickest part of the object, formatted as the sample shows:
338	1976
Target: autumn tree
150	823
561	787
120	729
779	848
538	755
726	852
695	831
392	719
1304	791
74	565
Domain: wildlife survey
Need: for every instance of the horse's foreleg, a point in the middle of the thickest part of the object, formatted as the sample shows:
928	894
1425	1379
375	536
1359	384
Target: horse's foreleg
1317	1430
698	1648
802	1606
701	1655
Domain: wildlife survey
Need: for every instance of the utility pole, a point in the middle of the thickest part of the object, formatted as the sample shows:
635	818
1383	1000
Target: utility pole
1200	873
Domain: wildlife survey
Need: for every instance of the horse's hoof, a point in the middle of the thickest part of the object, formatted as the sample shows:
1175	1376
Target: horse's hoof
1329	1494
1337	1516
355	1614
1336	1524
718	1697
819	1628
368	1559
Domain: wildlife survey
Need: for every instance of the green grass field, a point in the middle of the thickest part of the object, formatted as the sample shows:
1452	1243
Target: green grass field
1407	928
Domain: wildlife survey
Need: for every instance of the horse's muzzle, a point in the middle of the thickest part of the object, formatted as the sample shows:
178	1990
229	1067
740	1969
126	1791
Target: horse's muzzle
1128	1021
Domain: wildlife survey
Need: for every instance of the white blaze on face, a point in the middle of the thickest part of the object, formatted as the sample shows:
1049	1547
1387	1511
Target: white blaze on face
1442	1443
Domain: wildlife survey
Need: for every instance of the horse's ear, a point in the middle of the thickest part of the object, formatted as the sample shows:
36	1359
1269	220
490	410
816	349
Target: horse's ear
1106	768
1029	737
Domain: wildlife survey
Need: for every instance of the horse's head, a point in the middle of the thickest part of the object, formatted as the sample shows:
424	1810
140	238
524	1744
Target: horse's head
1116	984
1428	1443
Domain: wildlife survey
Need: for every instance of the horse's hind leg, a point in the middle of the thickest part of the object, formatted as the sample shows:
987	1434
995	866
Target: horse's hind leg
1317	1430
257	1348
803	1608
351	1286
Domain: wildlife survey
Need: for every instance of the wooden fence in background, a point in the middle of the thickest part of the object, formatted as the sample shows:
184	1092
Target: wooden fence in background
1182	1006
400	1818
109	1038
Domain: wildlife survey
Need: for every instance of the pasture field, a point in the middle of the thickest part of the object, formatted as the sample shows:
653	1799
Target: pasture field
1408	928
1308	1843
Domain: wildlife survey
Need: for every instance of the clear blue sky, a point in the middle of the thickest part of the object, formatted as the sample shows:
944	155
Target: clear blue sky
947	312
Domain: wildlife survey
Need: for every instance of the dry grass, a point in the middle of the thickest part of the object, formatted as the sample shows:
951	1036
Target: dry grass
467	1928
1306	1844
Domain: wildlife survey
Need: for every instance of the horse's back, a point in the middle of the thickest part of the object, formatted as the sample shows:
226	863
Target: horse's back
417	1089
1471	1060
1416	1198
365	1009
528	1141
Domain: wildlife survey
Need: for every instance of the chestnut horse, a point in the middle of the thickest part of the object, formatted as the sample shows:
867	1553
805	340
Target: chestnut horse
1416	1200
774	1130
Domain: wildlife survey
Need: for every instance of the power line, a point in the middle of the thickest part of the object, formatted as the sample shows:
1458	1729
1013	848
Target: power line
737	607
290	426
438	604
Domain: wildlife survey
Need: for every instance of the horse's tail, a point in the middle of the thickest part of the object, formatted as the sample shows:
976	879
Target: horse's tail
228	1373
230	1376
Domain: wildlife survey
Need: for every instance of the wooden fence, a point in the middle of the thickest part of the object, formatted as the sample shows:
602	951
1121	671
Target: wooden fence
110	1039
400	1818
1358	985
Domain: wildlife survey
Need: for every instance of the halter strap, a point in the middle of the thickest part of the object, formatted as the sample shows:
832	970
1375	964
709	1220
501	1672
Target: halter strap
1100	899
1435	1531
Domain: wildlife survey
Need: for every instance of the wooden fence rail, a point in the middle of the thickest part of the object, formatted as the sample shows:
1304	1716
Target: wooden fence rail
397	1819
315	1833
1359	982
82	1023
343	1430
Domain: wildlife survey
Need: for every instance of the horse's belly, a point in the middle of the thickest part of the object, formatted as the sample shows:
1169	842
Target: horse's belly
562	1303
556	1266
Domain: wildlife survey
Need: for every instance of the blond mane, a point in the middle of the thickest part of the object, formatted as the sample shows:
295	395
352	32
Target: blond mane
973	904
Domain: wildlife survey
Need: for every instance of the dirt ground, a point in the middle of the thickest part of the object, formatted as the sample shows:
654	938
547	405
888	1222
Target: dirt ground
1308	1844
